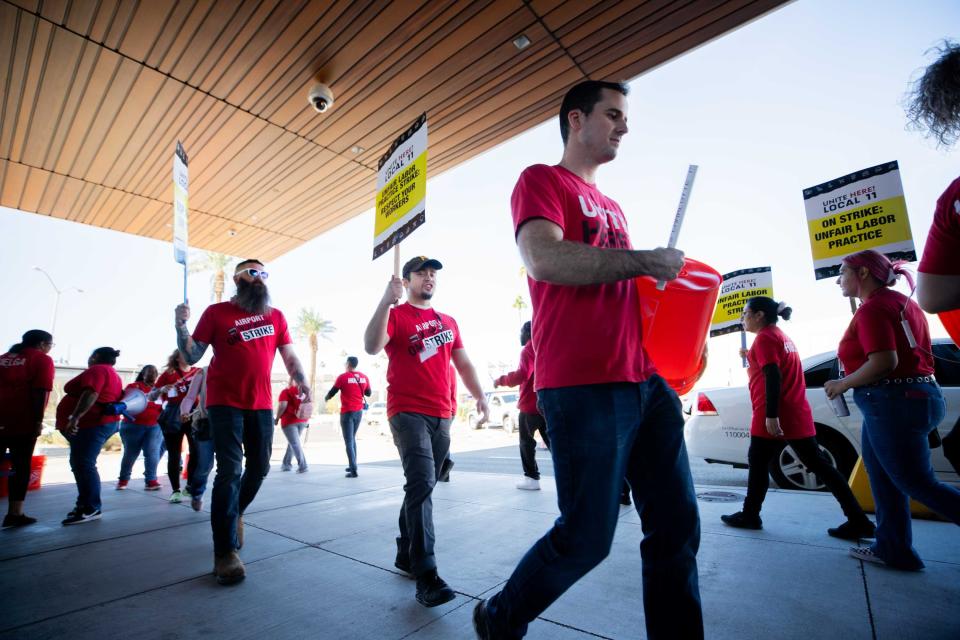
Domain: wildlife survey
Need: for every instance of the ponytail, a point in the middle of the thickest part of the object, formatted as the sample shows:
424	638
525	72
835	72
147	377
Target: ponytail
106	355
880	267
31	340
770	308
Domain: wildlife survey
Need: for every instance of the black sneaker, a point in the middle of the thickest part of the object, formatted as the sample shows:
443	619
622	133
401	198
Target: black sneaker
403	557
445	467
432	591
741	520
851	530
351	474
625	499
79	517
10	521
481	622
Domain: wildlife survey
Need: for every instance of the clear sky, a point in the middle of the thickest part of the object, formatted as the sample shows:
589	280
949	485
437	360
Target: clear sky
806	94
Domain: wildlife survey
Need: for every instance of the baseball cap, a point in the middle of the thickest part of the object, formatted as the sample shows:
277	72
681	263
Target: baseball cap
418	263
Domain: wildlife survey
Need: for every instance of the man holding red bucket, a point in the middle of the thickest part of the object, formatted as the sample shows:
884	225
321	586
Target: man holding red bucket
609	414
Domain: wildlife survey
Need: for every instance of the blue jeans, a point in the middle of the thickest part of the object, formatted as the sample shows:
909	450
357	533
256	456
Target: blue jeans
349	425
85	446
197	482
292	433
237	433
893	443
137	438
600	434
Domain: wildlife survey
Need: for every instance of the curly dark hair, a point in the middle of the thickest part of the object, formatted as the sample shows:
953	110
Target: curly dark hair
933	104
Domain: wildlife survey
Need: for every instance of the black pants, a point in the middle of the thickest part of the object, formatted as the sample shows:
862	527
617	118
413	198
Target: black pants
530	423
762	450
423	442
174	442
21	452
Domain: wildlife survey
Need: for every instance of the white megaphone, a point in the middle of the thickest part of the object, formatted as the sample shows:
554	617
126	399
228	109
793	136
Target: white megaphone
135	401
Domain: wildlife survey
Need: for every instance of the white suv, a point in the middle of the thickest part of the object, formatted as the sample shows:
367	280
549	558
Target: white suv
503	411
719	430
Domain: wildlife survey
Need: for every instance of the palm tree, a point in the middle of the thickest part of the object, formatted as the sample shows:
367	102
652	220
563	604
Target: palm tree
520	304
215	264
310	325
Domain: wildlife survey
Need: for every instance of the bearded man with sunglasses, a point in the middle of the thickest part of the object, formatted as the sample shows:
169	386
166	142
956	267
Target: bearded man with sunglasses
245	334
420	344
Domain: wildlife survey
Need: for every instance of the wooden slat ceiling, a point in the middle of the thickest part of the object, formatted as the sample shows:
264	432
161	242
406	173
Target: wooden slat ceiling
95	94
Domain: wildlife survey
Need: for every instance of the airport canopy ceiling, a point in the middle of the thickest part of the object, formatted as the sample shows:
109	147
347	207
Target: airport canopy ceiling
96	93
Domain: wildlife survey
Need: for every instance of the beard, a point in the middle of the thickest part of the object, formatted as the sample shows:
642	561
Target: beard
426	295
252	296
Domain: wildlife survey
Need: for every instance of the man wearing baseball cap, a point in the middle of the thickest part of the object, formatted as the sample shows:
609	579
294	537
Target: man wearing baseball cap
420	344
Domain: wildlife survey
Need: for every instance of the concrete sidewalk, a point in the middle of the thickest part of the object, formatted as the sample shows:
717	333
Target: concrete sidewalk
319	553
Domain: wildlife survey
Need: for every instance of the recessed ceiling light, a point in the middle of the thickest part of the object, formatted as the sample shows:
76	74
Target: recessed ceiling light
521	42
357	149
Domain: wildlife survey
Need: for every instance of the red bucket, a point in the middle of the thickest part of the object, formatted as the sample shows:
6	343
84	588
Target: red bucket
951	322
676	322
36	474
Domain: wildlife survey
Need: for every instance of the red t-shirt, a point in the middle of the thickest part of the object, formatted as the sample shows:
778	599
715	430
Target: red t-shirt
352	385
772	346
180	380
524	377
876	327
589	334
453	391
940	253
421	344
291	395
20	374
101	378
148	417
244	345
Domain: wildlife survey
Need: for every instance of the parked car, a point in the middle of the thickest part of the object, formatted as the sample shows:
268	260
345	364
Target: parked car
503	411
376	416
719	430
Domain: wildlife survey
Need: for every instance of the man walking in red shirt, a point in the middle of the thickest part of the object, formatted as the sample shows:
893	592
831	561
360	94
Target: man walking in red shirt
530	419
608	413
245	334
353	387
420	344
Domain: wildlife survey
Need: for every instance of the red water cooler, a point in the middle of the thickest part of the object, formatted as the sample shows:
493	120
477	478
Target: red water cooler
676	322
951	322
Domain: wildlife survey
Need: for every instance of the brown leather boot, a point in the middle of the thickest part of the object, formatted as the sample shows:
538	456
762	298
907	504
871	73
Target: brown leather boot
239	532
229	568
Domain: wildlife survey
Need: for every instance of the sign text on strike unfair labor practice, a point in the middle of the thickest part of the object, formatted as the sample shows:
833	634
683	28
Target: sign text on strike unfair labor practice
738	287
401	188
862	210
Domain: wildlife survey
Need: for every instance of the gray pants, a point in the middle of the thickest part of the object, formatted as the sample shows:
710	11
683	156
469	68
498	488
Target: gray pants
423	443
292	433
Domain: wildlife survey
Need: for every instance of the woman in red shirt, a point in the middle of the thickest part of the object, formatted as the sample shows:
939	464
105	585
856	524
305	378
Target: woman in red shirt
87	416
26	378
886	354
782	417
174	383
288	417
935	107
142	433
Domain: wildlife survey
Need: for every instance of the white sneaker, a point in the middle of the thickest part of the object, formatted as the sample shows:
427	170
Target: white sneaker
529	484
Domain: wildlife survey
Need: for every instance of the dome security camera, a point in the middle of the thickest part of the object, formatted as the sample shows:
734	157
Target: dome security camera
320	97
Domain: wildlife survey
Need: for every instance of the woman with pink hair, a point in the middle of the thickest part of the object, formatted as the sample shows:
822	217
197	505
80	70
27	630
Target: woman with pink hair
886	354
